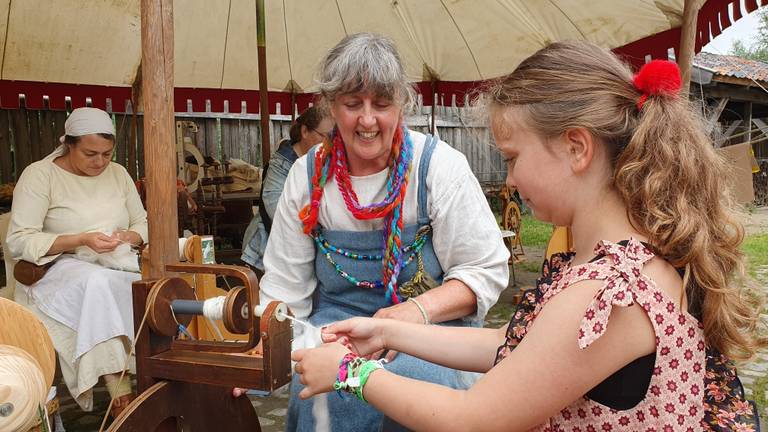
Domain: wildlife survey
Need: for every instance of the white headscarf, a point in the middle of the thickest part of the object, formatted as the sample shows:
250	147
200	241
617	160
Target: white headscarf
84	121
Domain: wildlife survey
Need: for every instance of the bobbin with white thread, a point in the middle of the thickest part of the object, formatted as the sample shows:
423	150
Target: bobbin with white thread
172	302
280	313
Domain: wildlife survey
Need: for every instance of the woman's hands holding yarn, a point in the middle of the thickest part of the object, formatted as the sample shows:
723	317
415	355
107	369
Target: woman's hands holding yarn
130	237
318	367
99	242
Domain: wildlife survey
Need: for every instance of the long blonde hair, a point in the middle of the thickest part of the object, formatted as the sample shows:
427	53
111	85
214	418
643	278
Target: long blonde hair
664	167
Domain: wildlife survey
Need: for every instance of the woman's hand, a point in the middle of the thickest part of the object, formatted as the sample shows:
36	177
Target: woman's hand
364	336
318	367
99	242
125	236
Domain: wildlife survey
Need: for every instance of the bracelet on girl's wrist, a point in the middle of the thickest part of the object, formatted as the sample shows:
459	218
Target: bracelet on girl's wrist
365	371
353	374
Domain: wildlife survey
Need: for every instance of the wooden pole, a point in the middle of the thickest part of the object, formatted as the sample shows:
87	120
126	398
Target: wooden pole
159	143
434	106
261	53
133	136
687	42
747	116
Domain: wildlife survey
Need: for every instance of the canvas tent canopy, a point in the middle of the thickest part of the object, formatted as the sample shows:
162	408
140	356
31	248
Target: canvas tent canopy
75	49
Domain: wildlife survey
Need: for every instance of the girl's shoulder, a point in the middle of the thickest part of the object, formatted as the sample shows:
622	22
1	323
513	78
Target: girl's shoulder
617	277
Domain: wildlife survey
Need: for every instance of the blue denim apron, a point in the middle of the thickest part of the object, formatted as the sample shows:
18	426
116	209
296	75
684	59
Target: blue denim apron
337	299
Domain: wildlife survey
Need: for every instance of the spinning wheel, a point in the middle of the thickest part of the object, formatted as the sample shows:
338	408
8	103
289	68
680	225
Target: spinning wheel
187	384
512	222
177	406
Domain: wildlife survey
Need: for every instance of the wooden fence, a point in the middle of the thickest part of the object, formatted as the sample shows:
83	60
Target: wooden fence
29	135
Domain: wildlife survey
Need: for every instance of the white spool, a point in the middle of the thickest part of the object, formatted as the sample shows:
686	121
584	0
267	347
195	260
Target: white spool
22	389
280	312
213	308
182	244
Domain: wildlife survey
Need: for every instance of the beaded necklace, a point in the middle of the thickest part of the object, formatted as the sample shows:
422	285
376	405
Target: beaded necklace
331	160
327	248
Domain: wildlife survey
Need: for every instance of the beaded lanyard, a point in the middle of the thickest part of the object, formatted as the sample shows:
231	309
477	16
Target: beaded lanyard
330	160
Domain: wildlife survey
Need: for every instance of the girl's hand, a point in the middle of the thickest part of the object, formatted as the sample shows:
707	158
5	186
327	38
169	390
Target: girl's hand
318	367
364	336
405	311
99	242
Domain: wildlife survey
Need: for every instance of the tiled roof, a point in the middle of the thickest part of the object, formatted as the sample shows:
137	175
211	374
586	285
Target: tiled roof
732	66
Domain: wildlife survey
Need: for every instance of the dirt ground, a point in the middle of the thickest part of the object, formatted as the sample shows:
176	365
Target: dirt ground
757	221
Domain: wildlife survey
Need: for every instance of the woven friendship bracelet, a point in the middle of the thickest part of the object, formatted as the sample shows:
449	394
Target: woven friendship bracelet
348	362
353	374
365	371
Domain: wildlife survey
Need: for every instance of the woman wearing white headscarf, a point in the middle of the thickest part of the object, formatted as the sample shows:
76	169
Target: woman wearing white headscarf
77	203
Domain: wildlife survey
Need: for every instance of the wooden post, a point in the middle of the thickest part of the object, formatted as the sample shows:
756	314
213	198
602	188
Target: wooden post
748	121
133	136
687	43
434	106
159	143
261	53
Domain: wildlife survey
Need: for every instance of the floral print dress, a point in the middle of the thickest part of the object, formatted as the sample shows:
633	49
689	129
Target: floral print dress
692	388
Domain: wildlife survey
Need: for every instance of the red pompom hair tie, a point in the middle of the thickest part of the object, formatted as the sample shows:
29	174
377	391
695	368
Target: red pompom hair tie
657	78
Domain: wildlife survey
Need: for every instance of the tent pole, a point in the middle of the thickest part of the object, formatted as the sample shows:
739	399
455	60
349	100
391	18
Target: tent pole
434	105
261	53
688	42
159	139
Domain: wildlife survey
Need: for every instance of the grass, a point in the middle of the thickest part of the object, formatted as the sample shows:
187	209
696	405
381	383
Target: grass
529	266
755	247
759	386
535	233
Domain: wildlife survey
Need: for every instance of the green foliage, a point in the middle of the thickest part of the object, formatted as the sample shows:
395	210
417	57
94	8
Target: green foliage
757	48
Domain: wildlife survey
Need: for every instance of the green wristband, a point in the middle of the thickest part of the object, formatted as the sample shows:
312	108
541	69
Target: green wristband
365	371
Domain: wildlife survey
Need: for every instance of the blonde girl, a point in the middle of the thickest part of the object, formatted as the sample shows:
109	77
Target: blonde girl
617	334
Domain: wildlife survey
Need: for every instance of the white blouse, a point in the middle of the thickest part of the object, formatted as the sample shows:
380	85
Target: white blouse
49	201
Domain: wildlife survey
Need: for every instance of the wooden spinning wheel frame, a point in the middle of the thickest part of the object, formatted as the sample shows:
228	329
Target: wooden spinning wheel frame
187	384
512	220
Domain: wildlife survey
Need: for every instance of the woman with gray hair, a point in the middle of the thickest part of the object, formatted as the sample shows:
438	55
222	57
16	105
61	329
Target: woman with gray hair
376	222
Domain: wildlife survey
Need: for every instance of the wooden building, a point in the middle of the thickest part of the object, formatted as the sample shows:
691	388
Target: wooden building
733	93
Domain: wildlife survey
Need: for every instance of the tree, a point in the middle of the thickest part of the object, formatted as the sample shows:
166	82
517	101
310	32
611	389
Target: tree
757	48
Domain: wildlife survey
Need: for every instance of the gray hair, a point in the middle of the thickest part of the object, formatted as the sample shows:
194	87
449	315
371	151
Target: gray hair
365	62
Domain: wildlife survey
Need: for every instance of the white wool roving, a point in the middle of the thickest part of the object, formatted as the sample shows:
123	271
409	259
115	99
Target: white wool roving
319	402
122	258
